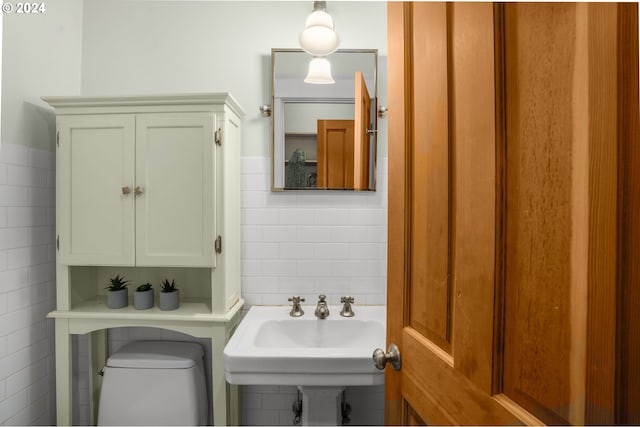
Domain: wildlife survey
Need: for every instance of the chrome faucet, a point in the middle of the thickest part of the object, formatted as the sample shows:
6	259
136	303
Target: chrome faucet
296	310
347	311
322	309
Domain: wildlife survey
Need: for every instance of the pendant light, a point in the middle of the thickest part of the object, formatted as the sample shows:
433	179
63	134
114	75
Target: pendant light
319	37
319	72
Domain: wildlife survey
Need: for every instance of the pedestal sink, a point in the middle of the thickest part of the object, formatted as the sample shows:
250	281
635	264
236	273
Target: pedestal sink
321	357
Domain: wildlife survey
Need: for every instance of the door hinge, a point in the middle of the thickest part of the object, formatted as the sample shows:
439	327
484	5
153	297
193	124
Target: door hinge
218	245
58	138
58	242
218	136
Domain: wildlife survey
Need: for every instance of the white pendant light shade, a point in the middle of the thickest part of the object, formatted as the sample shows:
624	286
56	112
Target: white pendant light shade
321	18
319	72
319	38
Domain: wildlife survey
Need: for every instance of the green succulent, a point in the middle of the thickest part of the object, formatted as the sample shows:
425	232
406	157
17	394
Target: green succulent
117	283
168	287
144	287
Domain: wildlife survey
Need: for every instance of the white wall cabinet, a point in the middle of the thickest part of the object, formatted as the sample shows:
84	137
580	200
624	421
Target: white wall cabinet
145	187
142	182
137	189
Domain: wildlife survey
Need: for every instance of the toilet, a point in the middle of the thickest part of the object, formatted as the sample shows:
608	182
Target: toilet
154	383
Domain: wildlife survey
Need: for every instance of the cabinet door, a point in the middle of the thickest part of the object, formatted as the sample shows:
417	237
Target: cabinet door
174	205
95	164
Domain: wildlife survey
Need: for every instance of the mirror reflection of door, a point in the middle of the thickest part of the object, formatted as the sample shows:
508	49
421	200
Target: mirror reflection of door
362	113
336	154
301	140
344	147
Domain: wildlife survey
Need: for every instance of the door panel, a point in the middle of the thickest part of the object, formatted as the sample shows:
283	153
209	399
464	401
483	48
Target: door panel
362	114
630	220
539	173
506	165
94	162
335	154
429	308
440	394
475	189
175	163
450	193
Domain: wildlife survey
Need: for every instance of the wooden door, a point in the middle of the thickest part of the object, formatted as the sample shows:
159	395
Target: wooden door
335	154
362	124
95	177
175	209
513	135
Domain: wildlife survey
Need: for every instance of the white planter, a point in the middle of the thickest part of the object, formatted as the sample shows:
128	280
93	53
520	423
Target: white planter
118	299
143	300
170	300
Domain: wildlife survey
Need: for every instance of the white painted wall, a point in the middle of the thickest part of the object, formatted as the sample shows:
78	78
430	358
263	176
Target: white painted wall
293	242
40	56
144	47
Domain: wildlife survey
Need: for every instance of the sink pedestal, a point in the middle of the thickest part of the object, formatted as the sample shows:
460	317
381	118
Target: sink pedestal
321	406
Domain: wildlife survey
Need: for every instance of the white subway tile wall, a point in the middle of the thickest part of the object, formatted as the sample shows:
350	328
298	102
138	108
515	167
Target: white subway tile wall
27	285
306	243
295	243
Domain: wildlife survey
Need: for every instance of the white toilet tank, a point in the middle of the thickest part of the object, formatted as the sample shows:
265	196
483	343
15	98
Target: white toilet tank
154	383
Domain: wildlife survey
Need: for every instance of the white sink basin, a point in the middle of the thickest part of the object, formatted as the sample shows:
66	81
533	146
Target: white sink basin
271	347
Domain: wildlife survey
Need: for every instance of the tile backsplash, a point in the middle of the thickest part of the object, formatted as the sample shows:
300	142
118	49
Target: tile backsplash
312	242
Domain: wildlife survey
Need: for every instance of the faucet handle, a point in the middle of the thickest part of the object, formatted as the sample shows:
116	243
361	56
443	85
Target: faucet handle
296	310
322	298
347	311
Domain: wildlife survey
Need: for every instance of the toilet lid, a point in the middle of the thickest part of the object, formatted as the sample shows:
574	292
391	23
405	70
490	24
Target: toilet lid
157	355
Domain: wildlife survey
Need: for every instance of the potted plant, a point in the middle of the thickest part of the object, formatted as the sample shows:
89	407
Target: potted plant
169	295
117	293
143	298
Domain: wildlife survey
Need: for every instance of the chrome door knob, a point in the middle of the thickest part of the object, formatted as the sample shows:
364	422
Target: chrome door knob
380	358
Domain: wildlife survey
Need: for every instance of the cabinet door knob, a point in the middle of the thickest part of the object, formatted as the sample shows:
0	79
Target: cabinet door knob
126	190
138	191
